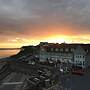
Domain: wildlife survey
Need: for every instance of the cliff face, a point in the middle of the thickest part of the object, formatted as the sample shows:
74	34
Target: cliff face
27	50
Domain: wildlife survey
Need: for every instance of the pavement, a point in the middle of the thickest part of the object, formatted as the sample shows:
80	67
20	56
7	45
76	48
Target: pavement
13	81
67	81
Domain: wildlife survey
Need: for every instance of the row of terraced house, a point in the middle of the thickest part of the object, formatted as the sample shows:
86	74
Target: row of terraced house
76	54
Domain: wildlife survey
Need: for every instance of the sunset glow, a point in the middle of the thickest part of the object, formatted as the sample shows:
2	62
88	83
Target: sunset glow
52	39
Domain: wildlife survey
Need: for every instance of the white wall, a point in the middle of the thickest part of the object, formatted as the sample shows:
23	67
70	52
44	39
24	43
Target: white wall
79	59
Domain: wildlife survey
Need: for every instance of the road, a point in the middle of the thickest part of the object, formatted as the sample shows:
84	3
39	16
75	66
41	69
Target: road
76	82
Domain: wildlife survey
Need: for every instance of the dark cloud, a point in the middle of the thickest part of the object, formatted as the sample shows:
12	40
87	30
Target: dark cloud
16	15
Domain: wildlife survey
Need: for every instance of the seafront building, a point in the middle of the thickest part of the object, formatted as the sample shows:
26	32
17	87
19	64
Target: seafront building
77	54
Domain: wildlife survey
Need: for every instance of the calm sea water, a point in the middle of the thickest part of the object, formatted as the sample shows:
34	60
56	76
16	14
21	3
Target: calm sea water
6	53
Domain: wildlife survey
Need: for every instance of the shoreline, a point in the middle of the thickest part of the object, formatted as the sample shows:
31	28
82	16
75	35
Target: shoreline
8	53
9	48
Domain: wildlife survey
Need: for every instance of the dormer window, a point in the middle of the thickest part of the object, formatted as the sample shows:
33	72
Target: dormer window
61	49
66	49
72	49
56	49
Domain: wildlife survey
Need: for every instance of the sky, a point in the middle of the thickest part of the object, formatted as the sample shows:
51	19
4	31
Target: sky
28	22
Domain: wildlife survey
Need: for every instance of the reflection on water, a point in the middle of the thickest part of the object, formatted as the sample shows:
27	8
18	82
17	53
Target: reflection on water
6	53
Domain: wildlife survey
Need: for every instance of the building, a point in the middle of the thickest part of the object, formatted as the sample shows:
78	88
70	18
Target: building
77	54
55	52
61	52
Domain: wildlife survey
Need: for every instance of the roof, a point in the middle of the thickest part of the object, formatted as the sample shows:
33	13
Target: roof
79	50
65	46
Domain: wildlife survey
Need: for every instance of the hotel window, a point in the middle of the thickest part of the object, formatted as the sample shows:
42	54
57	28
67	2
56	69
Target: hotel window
83	57
87	50
72	49
77	56
83	63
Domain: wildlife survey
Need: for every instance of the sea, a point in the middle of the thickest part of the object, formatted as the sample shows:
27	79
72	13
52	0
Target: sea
7	53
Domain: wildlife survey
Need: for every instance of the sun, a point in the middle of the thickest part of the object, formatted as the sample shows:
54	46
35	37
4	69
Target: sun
58	39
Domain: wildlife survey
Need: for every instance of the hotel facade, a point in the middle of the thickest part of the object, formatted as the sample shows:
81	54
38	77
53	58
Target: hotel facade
76	54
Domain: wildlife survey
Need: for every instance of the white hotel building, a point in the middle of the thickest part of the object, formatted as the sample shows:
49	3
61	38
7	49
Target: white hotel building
77	54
